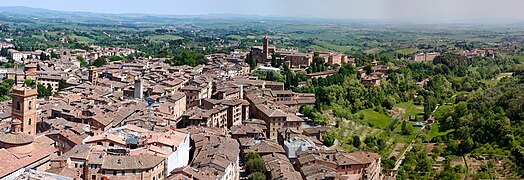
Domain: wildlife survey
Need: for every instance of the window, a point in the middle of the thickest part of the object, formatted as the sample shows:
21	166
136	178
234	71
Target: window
112	144
114	173
18	105
30	105
134	172
93	177
29	122
99	143
123	173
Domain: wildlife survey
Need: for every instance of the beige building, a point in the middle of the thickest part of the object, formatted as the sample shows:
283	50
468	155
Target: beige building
424	57
333	164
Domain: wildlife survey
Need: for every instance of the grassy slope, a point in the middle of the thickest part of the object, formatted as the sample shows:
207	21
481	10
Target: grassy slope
410	109
164	37
493	82
376	119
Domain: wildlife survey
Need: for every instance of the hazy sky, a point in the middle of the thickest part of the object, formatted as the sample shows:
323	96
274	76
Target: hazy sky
436	10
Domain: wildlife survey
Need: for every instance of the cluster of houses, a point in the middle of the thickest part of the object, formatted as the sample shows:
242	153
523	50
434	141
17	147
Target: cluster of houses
94	53
145	119
374	75
293	57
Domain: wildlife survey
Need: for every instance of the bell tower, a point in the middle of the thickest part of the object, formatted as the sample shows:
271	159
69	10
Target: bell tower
24	108
265	45
93	75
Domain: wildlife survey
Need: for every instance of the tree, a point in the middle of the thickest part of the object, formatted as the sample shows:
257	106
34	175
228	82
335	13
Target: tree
49	90
270	76
274	60
254	163
406	128
187	57
5	88
370	141
83	62
389	163
430	104
41	91
54	55
320	119
116	58
466	145
43	56
62	84
99	62
356	141
251	61
329	139
257	176
30	83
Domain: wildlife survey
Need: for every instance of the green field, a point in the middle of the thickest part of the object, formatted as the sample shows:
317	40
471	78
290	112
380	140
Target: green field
237	37
164	37
410	109
375	119
494	81
334	47
82	39
407	51
317	48
435	130
442	111
520	57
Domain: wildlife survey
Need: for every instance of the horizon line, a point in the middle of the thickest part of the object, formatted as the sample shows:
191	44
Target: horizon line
415	21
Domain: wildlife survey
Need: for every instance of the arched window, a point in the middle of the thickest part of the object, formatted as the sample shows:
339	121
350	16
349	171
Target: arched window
18	105
99	143
30	104
29	122
112	144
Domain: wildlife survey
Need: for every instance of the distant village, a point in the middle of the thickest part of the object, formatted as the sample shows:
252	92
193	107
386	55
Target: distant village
145	119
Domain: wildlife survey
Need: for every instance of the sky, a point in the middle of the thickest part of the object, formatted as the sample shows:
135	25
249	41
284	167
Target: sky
430	10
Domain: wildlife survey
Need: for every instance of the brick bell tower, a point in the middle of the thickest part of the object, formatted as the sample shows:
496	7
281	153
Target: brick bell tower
24	108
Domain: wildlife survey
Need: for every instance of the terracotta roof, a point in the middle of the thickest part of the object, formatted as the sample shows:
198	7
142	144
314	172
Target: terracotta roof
144	162
12	161
280	167
108	136
64	171
266	146
16	138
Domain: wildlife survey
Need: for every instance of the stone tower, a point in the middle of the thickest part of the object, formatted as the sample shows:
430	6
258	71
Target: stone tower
139	89
265	50
24	108
93	75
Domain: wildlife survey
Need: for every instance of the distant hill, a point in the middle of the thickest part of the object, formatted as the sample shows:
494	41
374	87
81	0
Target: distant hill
24	10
